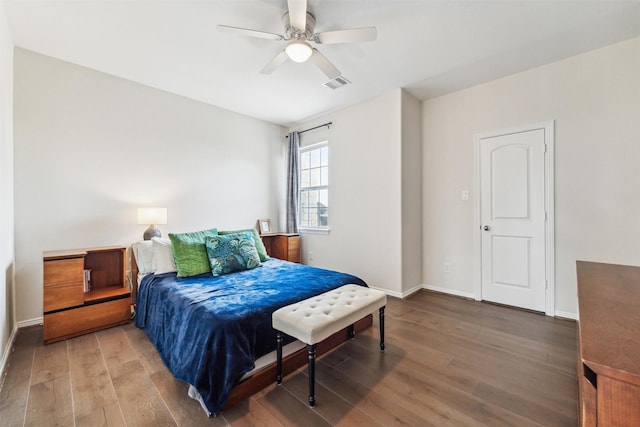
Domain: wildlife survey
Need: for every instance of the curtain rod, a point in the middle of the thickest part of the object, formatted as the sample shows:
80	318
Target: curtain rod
313	128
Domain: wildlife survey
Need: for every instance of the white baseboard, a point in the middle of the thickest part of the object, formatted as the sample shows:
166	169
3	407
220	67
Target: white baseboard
566	315
5	354
455	292
416	288
471	295
411	291
388	292
400	295
30	322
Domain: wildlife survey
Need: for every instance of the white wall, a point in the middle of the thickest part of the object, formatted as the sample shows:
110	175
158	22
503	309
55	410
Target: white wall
411	116
7	320
90	148
594	99
366	192
364	196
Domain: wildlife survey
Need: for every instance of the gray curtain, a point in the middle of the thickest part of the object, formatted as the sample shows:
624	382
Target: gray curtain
292	183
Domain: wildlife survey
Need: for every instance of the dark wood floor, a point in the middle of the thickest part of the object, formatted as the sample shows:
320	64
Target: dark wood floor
449	361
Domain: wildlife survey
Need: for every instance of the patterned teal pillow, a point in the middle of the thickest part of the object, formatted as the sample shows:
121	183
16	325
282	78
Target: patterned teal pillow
262	251
232	252
190	253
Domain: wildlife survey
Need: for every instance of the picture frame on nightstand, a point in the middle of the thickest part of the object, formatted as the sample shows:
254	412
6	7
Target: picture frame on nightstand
265	226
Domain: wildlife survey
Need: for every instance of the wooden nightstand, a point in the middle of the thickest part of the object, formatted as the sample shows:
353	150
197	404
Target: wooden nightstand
69	311
284	246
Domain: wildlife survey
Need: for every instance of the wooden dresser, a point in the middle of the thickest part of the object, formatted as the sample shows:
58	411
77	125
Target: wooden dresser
609	344
284	246
70	309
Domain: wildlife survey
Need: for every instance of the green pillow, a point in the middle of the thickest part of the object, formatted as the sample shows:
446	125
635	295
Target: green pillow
232	252
262	251
190	252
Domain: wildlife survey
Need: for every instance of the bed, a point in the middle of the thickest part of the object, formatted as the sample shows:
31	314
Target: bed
210	330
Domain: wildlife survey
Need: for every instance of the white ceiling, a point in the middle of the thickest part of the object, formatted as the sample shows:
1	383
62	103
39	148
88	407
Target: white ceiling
427	47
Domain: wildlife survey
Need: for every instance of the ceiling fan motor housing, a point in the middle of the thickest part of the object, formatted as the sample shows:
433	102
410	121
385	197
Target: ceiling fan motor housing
296	33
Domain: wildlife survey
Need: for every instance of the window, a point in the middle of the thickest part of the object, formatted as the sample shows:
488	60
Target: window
314	187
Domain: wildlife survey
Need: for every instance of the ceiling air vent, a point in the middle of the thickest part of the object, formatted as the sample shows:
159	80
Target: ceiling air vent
336	83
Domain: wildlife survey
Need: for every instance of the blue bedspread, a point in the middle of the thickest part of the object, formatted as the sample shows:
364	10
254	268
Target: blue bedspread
209	330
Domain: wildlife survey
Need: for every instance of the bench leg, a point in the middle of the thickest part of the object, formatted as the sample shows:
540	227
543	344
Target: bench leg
311	350
352	332
279	339
381	328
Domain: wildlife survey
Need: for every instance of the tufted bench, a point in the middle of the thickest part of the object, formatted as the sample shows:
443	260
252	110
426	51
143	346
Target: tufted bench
319	317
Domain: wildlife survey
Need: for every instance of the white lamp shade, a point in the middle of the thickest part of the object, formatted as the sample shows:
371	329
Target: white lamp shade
298	50
152	215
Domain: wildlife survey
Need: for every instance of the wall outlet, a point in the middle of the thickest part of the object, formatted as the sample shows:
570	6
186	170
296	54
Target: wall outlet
446	267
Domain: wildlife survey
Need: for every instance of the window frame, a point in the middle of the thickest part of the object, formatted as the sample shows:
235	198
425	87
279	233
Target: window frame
323	229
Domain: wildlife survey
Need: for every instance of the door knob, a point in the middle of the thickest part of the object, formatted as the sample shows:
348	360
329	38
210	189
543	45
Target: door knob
486	228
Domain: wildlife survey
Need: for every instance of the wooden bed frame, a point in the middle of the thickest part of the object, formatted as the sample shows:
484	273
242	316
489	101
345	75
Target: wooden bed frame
267	376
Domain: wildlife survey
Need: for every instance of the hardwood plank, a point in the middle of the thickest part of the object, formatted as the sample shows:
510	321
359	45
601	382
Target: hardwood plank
145	349
14	392
90	381
518	380
184	410
116	348
488	363
381	405
50	362
436	367
140	401
525	407
329	405
435	401
366	370
50	403
536	350
488	359
250	413
107	416
289	410
50	392
500	318
435	311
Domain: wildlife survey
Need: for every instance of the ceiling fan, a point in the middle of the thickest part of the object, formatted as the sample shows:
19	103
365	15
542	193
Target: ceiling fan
299	25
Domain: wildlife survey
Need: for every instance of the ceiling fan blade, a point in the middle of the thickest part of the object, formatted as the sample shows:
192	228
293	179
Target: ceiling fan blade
250	33
274	63
325	66
365	34
298	14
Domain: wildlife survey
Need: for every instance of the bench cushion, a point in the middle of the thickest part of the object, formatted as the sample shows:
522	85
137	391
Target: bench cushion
317	318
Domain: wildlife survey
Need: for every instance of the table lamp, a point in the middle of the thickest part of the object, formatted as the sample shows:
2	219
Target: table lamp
152	216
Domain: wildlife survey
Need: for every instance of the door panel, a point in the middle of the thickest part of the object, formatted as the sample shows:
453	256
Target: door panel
513	219
511	259
509	182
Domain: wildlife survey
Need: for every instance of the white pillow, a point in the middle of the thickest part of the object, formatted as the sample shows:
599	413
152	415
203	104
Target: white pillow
143	253
163	261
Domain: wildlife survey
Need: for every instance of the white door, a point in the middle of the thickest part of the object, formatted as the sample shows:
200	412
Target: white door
512	219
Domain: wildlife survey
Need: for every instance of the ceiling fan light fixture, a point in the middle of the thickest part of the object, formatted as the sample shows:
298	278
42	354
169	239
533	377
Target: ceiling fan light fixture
298	50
